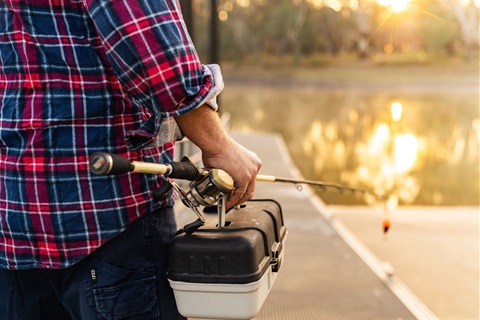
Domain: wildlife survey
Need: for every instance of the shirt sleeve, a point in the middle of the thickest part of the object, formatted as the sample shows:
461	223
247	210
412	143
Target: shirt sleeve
152	55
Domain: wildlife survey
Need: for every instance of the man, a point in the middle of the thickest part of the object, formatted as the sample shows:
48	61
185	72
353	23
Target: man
77	77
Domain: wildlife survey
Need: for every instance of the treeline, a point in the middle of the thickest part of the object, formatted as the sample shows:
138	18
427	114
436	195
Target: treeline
302	28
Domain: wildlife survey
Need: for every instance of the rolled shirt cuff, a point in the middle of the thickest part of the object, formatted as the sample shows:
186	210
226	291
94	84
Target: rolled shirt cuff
218	85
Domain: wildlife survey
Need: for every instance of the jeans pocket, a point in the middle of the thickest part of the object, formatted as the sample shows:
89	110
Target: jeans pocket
129	300
123	293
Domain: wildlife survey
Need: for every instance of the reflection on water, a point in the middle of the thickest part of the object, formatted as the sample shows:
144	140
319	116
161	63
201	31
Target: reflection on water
417	148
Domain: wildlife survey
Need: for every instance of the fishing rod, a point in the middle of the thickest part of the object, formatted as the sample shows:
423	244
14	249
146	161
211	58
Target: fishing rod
322	185
108	163
208	186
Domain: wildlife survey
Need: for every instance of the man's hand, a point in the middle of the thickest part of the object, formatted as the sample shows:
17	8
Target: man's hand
241	164
204	128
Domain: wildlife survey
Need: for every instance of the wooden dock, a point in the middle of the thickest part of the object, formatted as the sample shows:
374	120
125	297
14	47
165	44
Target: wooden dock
327	272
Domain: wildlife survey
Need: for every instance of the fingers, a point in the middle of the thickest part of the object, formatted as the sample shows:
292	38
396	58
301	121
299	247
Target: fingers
241	194
242	165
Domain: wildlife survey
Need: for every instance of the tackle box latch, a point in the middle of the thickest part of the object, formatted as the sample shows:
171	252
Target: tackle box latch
276	258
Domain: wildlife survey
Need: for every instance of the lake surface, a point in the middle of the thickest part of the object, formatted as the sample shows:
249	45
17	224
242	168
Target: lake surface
416	143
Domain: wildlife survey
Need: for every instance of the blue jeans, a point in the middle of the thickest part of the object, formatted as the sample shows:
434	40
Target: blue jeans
123	279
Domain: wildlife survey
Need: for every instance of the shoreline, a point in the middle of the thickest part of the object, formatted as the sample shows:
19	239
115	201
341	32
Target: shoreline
358	78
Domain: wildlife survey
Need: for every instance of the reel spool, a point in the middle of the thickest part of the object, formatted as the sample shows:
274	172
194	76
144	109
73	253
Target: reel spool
210	188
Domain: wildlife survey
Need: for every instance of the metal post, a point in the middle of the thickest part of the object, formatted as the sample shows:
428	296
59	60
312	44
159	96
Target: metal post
214	47
214	38
187	11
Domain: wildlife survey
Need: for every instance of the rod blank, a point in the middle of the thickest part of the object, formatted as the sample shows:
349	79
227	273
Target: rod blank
321	184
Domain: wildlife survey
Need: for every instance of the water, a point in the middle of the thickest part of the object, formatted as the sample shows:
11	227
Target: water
419	147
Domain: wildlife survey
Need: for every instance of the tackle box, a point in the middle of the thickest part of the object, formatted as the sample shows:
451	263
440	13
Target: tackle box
227	272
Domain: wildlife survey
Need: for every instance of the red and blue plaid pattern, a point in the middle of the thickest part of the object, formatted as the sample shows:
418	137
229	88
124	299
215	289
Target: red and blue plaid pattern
78	77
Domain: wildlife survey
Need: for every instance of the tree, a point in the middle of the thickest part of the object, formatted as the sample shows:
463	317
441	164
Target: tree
362	16
466	14
303	27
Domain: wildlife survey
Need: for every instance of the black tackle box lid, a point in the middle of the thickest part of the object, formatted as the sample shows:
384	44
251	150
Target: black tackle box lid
238	253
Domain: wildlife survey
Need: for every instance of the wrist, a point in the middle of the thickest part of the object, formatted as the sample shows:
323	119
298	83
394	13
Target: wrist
204	128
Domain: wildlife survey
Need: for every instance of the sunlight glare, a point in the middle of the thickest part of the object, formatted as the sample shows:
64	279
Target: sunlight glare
395	5
316	3
331	131
243	3
406	151
384	3
396	111
222	15
307	147
316	130
409	190
400	5
467	3
379	140
388	48
334	4
354	4
228	5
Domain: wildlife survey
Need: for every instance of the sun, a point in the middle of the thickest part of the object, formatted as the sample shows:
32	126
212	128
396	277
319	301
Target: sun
395	5
399	5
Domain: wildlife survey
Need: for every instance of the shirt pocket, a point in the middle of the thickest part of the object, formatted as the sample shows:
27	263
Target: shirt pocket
143	136
130	300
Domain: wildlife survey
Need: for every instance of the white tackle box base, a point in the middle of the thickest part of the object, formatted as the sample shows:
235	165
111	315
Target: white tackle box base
222	301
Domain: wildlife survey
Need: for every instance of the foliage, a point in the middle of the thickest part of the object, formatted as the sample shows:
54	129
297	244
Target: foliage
298	28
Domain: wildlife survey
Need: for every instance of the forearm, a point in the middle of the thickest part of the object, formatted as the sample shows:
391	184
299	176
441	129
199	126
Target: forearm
204	128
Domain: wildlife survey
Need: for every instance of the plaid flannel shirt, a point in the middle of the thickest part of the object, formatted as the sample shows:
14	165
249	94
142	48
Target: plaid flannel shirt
76	77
